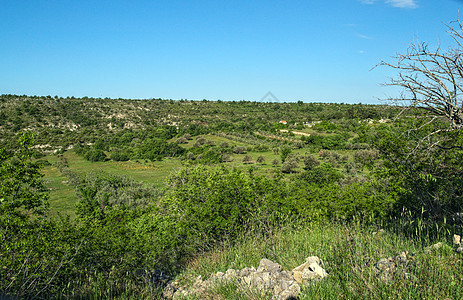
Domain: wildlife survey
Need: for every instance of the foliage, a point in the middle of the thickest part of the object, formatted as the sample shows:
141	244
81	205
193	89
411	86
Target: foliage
426	180
310	162
321	175
95	155
325	125
156	149
99	192
28	267
211	205
291	163
21	190
119	155
284	152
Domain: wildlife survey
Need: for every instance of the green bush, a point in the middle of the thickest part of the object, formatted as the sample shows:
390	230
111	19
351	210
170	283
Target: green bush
95	155
118	155
321	175
213	204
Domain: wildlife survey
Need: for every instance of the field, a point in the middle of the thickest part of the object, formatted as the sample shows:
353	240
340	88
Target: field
62	193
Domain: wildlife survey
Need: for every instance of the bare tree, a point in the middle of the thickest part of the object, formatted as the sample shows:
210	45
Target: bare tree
424	150
432	80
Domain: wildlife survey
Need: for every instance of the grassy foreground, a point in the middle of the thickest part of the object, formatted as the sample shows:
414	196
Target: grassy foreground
350	254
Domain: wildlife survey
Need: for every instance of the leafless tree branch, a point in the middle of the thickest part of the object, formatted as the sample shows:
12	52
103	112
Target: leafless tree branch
432	80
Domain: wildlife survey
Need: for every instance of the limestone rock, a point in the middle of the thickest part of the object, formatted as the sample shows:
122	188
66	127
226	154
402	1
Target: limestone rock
456	239
309	270
269	281
268	265
314	271
434	247
402	258
397	267
437	246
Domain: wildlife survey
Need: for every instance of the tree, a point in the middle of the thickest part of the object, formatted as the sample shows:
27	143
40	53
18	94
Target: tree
423	150
95	155
310	162
432	81
291	163
247	159
239	150
31	248
21	189
284	152
182	140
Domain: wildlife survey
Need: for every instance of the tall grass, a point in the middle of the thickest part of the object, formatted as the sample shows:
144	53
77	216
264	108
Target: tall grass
350	252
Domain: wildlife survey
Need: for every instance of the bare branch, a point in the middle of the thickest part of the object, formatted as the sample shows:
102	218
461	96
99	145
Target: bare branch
432	79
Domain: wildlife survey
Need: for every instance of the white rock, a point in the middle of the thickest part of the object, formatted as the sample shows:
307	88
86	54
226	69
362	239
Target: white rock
456	239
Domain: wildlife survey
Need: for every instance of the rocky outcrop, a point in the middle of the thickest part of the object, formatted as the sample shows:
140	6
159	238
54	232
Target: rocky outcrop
395	267
268	280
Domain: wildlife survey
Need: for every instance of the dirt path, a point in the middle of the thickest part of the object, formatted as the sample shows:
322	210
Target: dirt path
276	137
295	132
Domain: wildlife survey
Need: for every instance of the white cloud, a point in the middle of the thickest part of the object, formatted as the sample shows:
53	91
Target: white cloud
362	36
403	3
395	3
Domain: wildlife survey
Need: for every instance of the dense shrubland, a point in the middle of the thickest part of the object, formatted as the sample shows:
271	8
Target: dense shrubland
241	175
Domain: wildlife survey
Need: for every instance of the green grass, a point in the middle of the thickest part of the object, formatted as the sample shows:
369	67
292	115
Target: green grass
349	254
149	172
62	194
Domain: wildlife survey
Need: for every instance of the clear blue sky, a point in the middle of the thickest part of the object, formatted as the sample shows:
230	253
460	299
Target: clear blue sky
314	51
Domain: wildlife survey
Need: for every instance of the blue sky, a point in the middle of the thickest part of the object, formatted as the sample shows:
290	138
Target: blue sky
314	51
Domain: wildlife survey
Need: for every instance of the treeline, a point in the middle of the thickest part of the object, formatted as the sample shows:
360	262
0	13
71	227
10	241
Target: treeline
64	122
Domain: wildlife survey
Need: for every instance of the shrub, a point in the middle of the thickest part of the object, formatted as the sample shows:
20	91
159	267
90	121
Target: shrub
214	204
239	150
182	140
284	152
310	162
247	159
95	155
119	155
321	175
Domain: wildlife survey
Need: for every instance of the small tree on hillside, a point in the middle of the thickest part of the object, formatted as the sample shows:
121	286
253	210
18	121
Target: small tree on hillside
247	159
310	162
284	152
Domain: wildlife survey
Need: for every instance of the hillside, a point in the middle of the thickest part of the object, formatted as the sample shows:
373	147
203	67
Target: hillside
122	189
